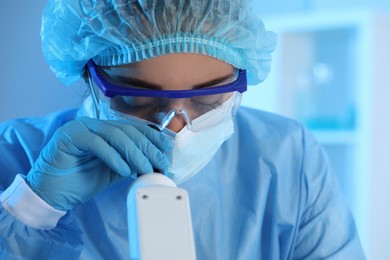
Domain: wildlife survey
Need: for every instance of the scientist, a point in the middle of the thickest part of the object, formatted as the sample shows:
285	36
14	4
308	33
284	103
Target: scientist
165	79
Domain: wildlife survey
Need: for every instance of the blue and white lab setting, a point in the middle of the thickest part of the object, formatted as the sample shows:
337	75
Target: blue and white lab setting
183	129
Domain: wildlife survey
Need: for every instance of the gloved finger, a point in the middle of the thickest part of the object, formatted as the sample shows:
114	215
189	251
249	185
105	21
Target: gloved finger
161	141
138	132
78	135
156	157
137	159
115	177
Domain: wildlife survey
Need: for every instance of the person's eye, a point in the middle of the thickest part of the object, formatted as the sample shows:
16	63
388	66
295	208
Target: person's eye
203	104
131	105
203	108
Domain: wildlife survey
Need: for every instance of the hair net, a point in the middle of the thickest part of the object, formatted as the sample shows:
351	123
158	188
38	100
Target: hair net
115	32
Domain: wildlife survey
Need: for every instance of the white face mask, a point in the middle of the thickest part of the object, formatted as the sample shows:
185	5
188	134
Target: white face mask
193	150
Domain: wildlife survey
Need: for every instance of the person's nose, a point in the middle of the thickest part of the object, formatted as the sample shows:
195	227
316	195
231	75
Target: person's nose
177	123
177	118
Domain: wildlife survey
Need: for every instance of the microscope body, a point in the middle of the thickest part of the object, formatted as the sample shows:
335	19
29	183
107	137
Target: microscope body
159	220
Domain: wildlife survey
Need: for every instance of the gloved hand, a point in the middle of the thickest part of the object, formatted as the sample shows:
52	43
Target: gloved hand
87	155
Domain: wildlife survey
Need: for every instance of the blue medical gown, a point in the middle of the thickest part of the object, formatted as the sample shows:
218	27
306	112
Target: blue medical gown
268	193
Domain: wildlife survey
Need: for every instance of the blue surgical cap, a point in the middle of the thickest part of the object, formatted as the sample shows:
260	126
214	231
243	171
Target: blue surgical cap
116	32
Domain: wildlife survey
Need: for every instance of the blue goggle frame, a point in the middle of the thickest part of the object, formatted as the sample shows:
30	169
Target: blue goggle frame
111	89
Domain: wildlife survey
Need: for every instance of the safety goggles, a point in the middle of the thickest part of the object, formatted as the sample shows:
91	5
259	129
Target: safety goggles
121	100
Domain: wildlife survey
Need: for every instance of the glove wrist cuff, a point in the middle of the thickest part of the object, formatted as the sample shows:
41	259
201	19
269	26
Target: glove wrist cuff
21	202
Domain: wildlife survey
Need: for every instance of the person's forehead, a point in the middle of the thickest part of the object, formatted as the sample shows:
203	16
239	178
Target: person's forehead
184	66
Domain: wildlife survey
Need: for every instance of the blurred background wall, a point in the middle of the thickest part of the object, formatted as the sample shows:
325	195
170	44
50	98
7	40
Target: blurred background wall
330	71
28	87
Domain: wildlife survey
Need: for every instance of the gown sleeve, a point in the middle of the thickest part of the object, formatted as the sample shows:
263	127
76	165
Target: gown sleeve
30	228
327	229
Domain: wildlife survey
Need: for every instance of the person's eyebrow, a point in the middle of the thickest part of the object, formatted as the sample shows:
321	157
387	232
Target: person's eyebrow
144	84
137	83
215	82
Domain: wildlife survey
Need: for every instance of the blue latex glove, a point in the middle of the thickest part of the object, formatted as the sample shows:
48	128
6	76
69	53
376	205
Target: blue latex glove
87	155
